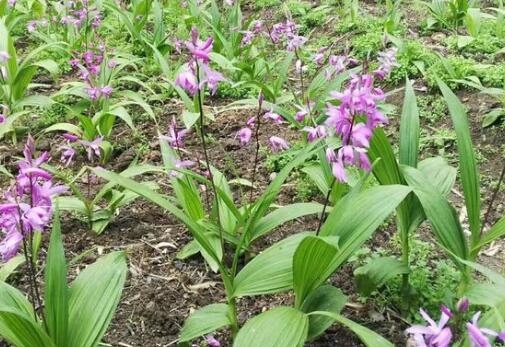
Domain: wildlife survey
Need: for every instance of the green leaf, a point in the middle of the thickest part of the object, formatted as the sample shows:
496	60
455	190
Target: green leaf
56	290
409	128
284	214
491	117
205	320
377	272
279	327
468	163
66	127
325	298
356	216
10	266
439	212
270	271
439	173
367	336
497	231
93	299
311	263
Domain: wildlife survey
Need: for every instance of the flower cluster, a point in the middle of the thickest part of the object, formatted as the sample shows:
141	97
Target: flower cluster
440	334
254	30
80	17
3	114
28	205
387	61
276	143
354	121
287	32
198	66
68	151
90	64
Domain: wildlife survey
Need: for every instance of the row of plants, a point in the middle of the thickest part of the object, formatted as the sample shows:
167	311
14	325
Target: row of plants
334	102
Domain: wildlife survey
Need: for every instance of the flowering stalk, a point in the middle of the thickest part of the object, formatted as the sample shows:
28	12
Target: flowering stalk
257	149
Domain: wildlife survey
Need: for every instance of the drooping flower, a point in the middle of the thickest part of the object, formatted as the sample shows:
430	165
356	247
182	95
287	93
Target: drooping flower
199	50
106	91
211	340
434	334
187	80
387	61
31	26
180	165
244	136
67	155
315	133
92	147
463	304
175	136
93	93
4	57
276	118
277	144
479	336
212	78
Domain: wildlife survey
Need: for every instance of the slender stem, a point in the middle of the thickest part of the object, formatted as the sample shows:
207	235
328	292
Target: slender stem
256	153
326	202
206	155
32	289
491	202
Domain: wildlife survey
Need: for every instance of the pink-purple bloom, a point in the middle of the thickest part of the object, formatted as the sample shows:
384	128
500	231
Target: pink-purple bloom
4	57
387	61
244	136
187	81
175	136
479	337
277	144
92	147
434	334
28	205
276	118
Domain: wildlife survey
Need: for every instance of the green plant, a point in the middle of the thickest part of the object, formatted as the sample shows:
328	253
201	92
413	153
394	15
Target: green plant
70	315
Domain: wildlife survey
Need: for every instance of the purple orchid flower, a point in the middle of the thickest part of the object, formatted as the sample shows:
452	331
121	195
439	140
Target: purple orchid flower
433	335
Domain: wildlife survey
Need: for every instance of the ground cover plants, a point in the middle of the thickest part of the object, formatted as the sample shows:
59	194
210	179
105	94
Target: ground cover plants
252	173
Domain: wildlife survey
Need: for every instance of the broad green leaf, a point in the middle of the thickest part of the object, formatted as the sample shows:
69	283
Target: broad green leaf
10	266
66	127
325	298
93	298
467	161
284	214
205	320
56	289
356	217
439	212
367	336
279	327
377	272
21	331
439	173
270	271
311	263
409	128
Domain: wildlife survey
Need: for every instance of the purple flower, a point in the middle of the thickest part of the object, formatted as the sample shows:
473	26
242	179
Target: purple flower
433	335
11	3
477	335
175	136
67	155
338	171
331	156
2	118
187	80
251	122
387	61
93	93
361	135
199	50
463	304
212	78
74	63
70	137
88	57
315	133
319	56
106	91
4	57
92	147
211	340
244	136
276	118
180	165
31	26
277	144
112	64
10	245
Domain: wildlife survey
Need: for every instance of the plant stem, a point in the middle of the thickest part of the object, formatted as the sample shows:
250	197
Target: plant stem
491	202
206	155
326	202
32	289
256	153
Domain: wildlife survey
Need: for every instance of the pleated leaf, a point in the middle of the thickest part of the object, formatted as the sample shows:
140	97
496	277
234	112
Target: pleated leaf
93	298
439	212
467	162
279	327
56	290
311	263
271	271
409	128
367	336
325	298
205	320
